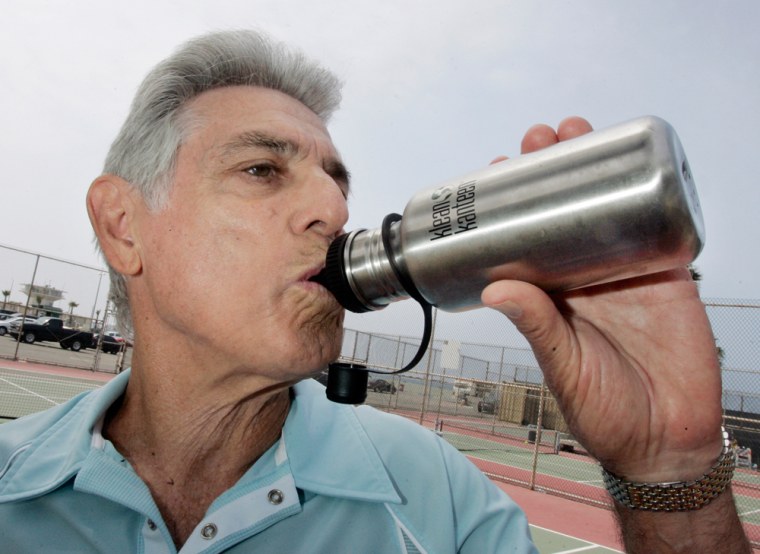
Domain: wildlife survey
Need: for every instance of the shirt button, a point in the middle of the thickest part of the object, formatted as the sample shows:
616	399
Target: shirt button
151	525
275	496
208	531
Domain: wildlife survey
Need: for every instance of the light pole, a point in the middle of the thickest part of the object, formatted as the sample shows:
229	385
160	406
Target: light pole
94	302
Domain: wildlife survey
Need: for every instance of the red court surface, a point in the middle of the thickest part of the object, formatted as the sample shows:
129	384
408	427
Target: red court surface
583	521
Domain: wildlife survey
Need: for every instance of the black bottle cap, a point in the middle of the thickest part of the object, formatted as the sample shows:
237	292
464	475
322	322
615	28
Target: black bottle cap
333	277
347	383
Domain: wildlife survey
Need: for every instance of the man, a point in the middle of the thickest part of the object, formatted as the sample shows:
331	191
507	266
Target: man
219	199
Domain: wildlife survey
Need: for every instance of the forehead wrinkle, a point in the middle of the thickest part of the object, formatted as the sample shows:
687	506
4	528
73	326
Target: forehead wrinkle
258	139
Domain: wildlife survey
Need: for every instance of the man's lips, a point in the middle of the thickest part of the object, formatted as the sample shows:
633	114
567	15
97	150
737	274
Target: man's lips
314	277
312	273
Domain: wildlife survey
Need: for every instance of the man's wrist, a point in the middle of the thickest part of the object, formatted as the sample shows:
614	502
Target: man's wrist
675	496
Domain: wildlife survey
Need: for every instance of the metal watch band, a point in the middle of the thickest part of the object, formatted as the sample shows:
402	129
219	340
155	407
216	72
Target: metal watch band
679	496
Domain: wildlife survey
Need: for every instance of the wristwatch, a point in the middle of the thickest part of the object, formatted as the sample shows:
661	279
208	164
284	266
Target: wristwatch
678	496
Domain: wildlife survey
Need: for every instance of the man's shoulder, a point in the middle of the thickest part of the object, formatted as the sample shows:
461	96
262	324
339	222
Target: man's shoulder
444	498
407	445
378	423
390	427
399	441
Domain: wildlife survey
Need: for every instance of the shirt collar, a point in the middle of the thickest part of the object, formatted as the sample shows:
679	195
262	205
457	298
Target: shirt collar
328	449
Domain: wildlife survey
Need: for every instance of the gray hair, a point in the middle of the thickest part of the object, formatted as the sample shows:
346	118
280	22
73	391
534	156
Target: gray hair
144	152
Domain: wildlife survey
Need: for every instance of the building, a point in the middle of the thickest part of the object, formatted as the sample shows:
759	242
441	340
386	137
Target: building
43	298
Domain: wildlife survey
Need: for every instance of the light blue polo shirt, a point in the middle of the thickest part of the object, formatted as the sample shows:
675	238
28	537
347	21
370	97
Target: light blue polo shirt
341	479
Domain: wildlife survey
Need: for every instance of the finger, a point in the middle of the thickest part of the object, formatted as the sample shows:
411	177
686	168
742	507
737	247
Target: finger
498	159
538	137
572	127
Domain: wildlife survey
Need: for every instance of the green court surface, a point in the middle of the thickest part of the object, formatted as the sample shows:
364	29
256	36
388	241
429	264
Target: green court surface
552	542
746	484
521	456
23	392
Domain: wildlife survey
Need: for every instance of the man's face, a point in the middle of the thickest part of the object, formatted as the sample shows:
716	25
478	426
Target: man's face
258	195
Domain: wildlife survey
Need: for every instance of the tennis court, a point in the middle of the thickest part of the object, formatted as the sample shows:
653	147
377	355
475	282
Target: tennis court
24	392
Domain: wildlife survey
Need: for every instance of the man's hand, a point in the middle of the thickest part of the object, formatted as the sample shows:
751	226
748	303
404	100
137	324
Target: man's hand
633	364
634	367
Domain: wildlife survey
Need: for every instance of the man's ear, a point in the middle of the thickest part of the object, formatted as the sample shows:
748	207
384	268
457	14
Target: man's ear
112	207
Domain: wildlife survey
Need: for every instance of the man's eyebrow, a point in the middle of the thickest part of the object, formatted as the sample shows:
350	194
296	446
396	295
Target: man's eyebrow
256	139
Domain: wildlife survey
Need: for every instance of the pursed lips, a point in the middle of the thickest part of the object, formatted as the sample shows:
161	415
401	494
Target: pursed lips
312	272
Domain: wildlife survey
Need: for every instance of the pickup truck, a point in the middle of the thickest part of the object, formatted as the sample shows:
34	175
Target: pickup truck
51	329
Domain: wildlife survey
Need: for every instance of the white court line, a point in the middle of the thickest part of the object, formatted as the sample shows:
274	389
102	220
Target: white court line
590	544
30	391
65	381
748	513
581	549
19	394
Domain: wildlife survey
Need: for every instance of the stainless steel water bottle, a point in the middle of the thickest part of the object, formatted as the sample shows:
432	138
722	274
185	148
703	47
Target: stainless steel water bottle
613	204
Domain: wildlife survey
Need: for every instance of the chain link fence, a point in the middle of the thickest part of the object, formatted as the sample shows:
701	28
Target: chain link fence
490	402
36	286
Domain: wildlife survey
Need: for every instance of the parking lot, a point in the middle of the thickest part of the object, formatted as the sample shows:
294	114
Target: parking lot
51	353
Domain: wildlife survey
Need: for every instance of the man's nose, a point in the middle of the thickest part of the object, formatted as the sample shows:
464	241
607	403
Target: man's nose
323	206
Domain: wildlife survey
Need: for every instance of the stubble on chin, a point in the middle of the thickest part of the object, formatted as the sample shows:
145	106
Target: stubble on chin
318	323
323	330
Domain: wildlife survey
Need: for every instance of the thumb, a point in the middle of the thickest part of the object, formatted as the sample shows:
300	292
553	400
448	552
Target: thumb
537	318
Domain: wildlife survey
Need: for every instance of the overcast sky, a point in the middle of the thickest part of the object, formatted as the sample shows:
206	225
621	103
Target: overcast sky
433	89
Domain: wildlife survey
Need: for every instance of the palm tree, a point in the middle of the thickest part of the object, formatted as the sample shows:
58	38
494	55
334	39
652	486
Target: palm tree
6	294
72	305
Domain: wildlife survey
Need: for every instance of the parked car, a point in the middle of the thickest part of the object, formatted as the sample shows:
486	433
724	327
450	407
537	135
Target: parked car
116	336
109	344
381	385
6	314
5	325
51	329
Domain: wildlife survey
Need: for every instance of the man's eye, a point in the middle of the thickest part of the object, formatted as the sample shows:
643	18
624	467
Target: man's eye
261	170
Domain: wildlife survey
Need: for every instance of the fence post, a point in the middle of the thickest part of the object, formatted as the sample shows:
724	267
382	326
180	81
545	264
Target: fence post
356	340
99	344
539	424
426	388
26	306
440	389
498	393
